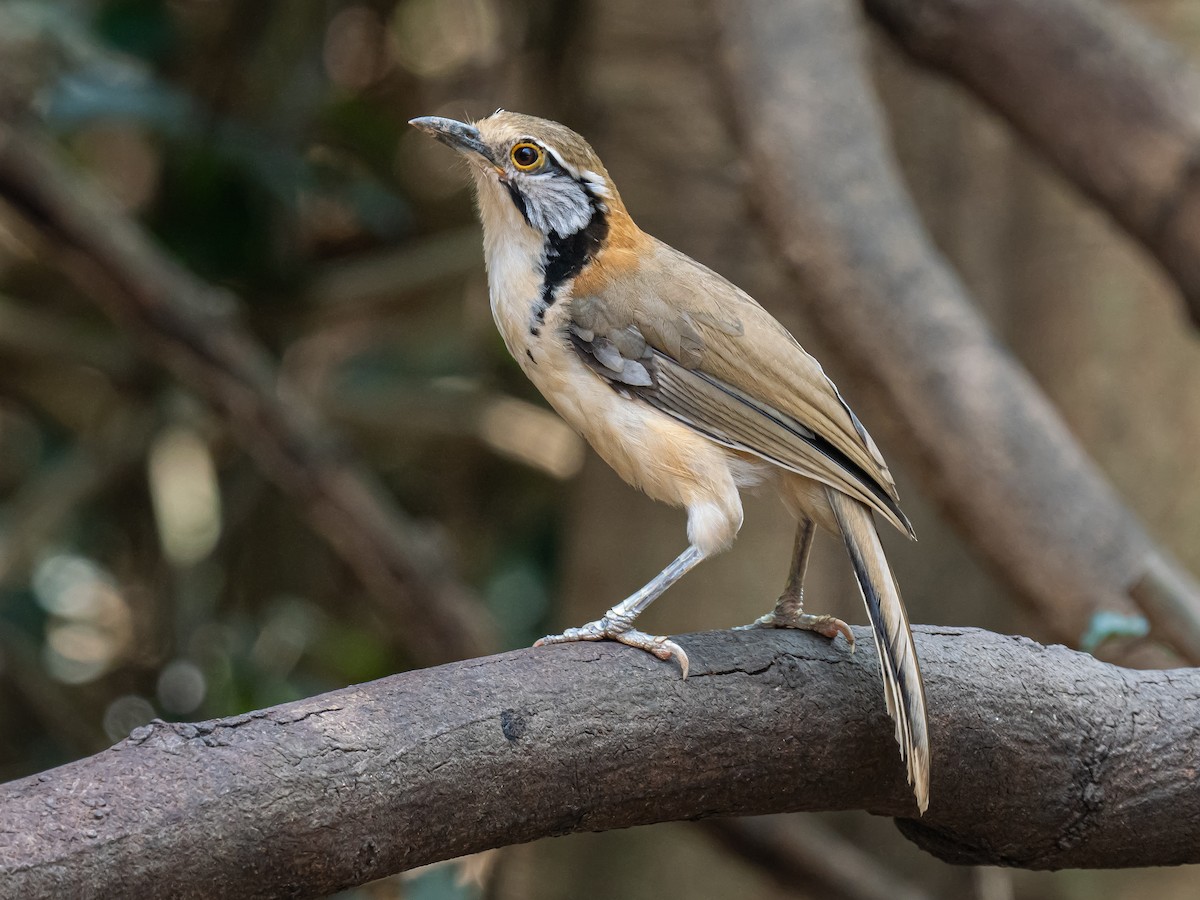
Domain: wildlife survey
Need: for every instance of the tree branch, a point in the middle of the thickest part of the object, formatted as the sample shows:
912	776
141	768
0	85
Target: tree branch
968	419
1043	758
191	329
1114	107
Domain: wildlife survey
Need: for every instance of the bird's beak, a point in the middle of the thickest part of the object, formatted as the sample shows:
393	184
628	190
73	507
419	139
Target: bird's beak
462	137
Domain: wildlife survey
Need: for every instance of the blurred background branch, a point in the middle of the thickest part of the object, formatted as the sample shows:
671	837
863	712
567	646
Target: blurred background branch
973	425
1114	106
804	855
192	331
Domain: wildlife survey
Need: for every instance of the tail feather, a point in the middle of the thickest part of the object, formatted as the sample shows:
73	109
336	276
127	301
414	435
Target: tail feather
903	689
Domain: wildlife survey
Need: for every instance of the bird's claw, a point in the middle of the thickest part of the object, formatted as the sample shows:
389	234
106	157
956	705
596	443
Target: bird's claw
829	626
608	630
767	621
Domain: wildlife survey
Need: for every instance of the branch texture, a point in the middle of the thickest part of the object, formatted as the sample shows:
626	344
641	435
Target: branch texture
1114	107
1042	758
970	422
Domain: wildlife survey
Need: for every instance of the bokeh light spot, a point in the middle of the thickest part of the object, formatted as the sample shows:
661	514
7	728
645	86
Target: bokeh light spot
125	714
181	687
185	495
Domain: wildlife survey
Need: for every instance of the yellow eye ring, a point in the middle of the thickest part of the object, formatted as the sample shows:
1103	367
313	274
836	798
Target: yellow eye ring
527	156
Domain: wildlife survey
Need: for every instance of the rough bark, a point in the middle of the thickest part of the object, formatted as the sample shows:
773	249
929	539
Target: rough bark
193	330
964	415
1114	107
1043	758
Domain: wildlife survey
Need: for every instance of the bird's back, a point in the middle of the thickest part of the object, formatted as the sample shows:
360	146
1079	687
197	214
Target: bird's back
720	336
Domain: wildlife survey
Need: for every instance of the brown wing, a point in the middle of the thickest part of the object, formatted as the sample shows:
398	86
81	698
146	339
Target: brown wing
693	345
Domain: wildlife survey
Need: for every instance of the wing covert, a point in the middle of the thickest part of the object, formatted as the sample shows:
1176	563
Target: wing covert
690	343
729	416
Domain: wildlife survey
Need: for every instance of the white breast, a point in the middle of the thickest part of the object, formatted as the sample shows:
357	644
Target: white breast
512	252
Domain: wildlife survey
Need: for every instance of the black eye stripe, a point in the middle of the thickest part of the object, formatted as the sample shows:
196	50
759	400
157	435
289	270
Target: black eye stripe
551	161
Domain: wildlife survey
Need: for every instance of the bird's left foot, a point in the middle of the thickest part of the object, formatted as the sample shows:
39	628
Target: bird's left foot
608	629
829	626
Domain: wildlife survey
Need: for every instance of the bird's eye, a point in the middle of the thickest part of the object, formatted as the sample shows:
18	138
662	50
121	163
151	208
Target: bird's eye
527	156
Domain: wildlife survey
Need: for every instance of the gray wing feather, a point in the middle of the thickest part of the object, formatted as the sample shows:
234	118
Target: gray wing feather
722	412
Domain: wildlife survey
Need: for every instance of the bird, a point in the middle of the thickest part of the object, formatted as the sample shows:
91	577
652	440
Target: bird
685	385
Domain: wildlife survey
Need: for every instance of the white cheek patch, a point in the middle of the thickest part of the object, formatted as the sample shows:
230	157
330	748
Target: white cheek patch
556	204
593	181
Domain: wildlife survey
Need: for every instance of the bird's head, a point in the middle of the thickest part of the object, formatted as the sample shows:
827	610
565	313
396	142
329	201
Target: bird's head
538	172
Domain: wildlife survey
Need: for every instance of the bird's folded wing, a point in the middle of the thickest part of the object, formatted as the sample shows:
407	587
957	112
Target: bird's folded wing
700	350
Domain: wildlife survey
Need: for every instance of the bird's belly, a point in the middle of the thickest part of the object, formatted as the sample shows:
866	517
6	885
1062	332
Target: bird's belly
647	448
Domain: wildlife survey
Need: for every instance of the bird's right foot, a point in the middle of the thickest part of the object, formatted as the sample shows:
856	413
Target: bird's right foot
612	629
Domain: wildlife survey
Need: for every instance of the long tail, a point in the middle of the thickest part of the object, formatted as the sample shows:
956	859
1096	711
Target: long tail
902	685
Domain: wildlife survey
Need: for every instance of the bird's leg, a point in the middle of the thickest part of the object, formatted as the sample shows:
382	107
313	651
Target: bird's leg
789	609
617	623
